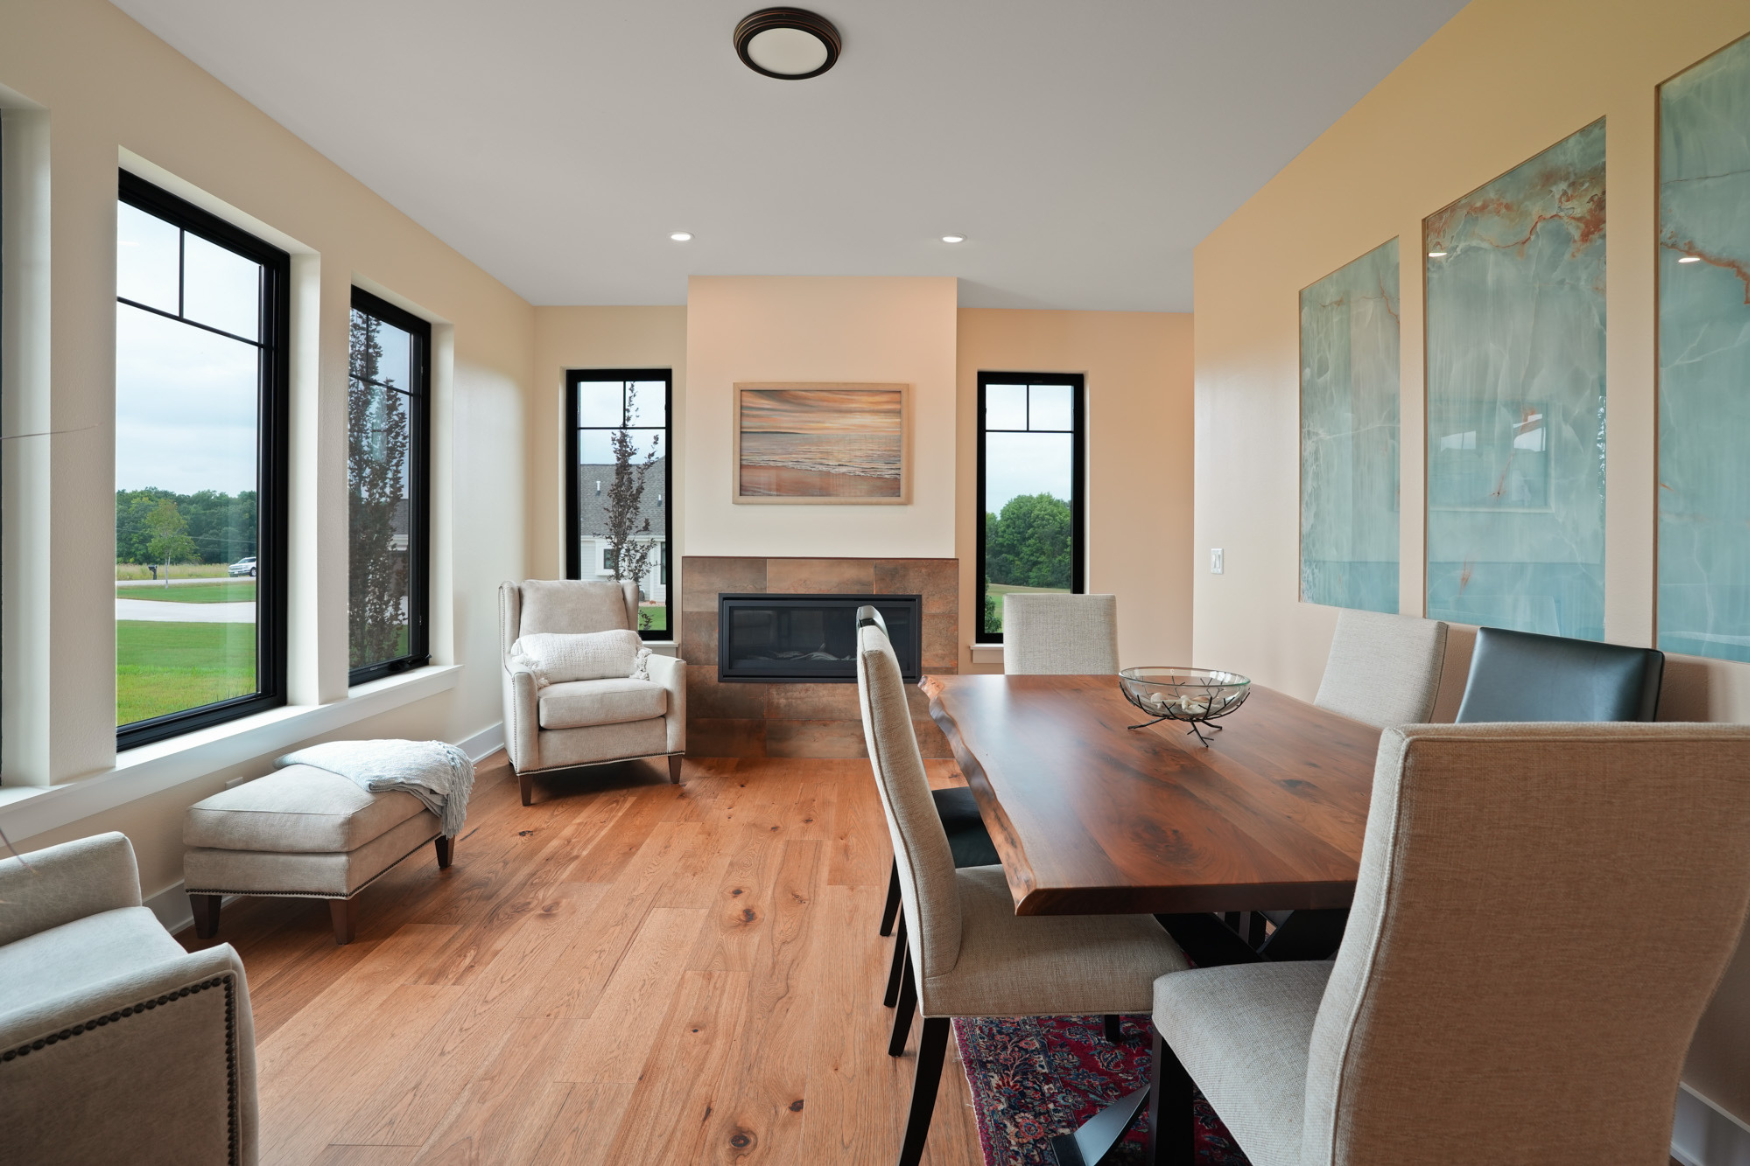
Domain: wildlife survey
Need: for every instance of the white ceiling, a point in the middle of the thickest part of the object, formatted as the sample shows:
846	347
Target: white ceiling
1083	148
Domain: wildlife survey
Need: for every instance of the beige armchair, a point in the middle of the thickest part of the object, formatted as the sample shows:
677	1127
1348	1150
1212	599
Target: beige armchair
585	722
116	1045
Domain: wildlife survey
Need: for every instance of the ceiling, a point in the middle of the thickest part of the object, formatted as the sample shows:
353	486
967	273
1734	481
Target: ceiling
1083	149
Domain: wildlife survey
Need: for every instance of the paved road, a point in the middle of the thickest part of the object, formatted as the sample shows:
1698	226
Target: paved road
163	612
182	582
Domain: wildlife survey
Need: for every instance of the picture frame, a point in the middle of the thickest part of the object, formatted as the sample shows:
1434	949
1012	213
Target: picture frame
821	443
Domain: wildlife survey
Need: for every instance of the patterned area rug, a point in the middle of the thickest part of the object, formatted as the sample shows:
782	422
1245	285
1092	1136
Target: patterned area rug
1046	1075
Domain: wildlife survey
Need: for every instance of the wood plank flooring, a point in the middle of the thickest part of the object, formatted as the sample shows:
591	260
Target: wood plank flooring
625	972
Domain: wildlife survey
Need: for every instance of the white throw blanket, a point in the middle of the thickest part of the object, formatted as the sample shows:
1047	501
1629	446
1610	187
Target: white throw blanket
439	775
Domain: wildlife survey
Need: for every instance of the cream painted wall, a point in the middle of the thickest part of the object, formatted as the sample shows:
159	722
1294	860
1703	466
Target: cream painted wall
102	87
877	329
592	337
1138	370
1502	81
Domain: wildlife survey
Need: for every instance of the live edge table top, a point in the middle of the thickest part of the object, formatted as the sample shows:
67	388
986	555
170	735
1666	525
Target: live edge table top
1091	817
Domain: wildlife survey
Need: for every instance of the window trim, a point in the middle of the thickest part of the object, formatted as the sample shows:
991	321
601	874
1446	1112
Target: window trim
272	461
573	551
1078	486
418	487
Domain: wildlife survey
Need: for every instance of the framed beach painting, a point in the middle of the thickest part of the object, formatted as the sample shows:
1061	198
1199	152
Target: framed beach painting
822	443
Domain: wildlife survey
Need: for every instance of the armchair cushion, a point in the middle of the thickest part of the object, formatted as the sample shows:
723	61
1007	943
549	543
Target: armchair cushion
62	883
557	657
79	955
568	605
600	702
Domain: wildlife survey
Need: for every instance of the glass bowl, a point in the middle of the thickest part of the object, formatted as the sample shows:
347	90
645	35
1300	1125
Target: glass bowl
1195	695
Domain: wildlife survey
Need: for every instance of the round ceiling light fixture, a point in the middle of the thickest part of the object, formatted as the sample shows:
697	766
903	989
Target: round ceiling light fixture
953	238
682	237
787	43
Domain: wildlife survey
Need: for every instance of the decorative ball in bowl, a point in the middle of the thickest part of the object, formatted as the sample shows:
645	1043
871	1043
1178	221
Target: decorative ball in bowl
1197	696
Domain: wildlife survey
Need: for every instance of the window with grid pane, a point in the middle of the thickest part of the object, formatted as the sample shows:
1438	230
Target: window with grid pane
617	493
1030	513
388	439
200	467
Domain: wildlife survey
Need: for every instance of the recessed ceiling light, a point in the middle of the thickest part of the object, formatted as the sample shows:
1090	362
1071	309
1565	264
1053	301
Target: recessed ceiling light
1437	255
1690	259
787	43
682	237
953	238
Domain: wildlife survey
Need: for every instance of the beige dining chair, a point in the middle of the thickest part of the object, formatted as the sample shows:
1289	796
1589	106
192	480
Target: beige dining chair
967	952
1456	1026
1383	669
1060	635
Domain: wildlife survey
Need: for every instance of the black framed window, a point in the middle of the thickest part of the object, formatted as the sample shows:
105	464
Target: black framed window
1032	529
202	316
388	439
621	479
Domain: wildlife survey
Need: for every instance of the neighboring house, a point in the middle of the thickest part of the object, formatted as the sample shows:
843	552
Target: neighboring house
593	482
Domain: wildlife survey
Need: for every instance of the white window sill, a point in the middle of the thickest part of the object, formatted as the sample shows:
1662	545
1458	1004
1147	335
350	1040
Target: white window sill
987	653
141	772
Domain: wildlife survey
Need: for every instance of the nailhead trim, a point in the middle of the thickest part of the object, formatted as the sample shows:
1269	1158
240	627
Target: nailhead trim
226	982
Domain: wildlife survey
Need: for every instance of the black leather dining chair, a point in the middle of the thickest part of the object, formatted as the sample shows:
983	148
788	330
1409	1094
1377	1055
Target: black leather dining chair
1520	676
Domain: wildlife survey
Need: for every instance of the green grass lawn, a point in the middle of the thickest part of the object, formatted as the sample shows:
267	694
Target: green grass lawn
236	591
993	600
658	618
168	667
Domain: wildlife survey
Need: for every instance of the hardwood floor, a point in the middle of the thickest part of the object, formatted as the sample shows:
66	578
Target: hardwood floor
625	972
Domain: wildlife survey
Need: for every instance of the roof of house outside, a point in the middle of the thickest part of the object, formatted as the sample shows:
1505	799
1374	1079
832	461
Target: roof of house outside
593	482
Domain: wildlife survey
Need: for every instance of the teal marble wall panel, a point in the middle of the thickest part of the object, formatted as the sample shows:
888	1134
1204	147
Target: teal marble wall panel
1515	279
1704	357
1349	435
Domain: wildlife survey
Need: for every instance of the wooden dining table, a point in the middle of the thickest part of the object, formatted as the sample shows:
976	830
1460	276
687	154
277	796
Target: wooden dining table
1091	816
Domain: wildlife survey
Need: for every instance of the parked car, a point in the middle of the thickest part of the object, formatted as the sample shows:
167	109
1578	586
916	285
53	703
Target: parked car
243	566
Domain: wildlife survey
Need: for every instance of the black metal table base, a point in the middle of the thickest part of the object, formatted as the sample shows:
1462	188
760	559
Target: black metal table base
1090	1144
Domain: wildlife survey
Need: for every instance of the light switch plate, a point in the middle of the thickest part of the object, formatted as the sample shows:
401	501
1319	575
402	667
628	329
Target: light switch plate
1215	560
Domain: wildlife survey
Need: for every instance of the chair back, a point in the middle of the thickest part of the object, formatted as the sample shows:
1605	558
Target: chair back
1542	914
1060	635
1519	676
1383	669
564	605
921	854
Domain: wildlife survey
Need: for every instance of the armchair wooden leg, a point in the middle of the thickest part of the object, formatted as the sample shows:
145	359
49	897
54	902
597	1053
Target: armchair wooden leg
1172	1123
527	781
206	914
896	973
444	851
674	768
342	913
891	911
902	1014
932	1049
1114	1030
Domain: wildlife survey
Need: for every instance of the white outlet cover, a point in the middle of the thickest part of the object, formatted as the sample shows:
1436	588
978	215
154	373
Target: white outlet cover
1215	560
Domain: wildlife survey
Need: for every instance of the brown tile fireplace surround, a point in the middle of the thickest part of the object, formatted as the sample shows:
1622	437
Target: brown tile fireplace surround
804	720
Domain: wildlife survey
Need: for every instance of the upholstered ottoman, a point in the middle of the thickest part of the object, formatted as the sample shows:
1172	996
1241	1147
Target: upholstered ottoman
301	832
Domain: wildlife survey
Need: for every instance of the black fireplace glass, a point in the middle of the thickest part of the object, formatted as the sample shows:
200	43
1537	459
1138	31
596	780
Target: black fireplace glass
810	638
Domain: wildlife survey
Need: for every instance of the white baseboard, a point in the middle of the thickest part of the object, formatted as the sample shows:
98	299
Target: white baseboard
484	743
1706	1135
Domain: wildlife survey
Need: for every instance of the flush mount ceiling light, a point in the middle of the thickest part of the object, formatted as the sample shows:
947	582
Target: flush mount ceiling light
787	43
682	237
953	238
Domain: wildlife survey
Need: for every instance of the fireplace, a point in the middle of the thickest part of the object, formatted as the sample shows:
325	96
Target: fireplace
809	639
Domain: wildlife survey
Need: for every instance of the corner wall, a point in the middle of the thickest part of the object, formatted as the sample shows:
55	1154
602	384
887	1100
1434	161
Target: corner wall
103	89
1499	83
1138	371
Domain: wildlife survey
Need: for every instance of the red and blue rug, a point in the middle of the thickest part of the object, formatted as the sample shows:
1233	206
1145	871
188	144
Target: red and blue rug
1036	1077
